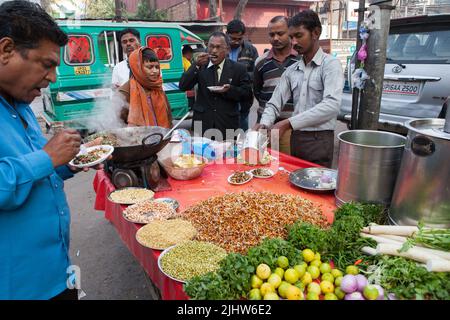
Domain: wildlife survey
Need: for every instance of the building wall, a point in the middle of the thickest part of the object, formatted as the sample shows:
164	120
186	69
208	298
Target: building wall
182	11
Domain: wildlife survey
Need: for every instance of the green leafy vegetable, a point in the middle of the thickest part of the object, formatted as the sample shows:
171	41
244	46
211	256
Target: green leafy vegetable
232	280
433	238
408	280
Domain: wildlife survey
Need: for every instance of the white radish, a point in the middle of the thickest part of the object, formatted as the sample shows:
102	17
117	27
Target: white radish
438	265
406	231
379	238
369	251
387	239
413	253
397	238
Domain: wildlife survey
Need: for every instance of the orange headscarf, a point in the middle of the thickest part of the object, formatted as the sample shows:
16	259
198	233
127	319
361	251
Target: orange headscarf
148	102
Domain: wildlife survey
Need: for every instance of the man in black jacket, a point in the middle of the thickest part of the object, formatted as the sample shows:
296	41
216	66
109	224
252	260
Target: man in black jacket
244	52
219	108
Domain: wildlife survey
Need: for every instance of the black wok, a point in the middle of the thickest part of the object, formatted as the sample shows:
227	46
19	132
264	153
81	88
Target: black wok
136	143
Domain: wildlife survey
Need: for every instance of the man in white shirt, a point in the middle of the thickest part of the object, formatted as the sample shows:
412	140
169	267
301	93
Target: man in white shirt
315	83
129	40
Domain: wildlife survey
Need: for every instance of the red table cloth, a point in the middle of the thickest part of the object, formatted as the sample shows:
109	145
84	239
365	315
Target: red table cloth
212	182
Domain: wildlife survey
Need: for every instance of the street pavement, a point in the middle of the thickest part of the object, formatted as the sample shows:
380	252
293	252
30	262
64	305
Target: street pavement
108	269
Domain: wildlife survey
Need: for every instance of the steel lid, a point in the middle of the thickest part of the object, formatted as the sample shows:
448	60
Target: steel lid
429	127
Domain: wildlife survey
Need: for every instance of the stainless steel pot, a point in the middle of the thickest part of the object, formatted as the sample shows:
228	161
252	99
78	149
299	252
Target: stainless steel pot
368	165
422	191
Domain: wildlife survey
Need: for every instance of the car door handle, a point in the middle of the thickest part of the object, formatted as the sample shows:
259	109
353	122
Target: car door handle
411	78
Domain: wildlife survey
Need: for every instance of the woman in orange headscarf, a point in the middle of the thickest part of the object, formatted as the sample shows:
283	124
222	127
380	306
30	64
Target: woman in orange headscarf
148	102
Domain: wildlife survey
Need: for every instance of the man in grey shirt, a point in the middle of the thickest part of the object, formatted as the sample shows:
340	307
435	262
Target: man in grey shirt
315	83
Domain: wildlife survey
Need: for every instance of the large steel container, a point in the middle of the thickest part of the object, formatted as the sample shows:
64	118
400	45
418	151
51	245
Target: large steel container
422	191
368	166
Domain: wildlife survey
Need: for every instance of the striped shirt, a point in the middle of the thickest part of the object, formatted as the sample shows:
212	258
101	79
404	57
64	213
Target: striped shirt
268	71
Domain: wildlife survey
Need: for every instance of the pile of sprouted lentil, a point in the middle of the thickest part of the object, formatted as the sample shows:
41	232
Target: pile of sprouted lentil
238	221
191	258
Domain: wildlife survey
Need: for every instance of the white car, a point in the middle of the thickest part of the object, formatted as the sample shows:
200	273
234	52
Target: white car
416	75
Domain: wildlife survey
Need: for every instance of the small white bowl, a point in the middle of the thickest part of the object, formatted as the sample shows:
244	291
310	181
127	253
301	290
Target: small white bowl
248	172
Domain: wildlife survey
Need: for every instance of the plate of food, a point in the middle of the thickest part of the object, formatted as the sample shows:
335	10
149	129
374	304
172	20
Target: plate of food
147	211
240	177
173	202
262	173
215	88
314	179
161	234
130	195
91	156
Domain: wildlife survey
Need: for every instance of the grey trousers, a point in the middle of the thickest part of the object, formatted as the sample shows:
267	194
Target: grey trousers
313	146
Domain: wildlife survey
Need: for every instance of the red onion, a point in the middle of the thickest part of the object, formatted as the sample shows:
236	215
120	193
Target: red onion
349	283
361	281
354	296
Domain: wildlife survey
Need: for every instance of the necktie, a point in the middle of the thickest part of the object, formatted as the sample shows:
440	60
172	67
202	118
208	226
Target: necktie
216	74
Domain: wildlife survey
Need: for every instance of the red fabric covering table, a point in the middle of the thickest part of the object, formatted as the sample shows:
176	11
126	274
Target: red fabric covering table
212	182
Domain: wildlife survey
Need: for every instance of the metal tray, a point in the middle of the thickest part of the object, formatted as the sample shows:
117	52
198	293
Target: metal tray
310	179
160	267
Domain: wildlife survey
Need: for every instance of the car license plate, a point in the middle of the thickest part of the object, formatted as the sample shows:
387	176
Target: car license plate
404	88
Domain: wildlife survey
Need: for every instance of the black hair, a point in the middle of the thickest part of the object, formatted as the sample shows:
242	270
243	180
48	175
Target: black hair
221	34
26	23
187	49
133	31
279	18
148	55
307	18
236	26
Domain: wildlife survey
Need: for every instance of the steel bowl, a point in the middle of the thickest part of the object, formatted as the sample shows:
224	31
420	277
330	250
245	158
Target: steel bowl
182	173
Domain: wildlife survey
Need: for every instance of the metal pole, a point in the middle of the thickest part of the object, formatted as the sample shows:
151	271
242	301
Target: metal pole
355	94
369	112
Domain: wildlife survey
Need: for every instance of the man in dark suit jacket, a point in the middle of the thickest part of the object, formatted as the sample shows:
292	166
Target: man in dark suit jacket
218	109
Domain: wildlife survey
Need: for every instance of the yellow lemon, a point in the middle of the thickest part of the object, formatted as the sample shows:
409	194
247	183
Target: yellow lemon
279	272
352	270
317	256
291	275
256	282
274	280
315	263
308	255
301	269
330	296
263	271
283	288
255	294
327	287
306	279
339	293
327	277
266	288
337	273
314	271
325	268
312	296
271	296
338	280
283	262
294	293
314	287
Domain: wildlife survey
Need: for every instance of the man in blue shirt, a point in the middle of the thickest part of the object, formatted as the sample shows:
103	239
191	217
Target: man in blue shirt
34	214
